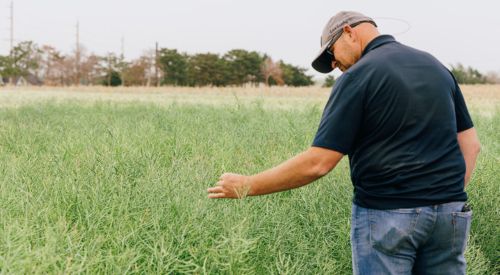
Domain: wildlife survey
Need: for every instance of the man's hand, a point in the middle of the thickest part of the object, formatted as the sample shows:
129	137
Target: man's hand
298	171
230	186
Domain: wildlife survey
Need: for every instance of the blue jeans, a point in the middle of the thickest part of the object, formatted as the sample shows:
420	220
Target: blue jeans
422	240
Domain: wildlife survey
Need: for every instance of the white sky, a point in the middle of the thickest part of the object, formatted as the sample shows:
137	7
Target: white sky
454	31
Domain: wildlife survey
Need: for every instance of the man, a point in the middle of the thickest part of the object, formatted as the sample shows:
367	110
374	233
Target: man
401	118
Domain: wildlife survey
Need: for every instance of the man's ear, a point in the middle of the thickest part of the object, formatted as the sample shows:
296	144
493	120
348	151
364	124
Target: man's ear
349	31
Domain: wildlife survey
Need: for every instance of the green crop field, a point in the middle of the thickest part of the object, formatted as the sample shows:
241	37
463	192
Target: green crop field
110	182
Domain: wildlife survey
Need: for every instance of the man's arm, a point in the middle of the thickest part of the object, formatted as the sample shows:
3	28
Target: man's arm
295	172
470	147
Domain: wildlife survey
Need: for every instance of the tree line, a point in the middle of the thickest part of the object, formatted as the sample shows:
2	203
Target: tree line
49	66
45	65
469	75
463	75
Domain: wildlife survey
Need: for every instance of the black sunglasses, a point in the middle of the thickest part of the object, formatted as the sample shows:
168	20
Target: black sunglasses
339	34
330	44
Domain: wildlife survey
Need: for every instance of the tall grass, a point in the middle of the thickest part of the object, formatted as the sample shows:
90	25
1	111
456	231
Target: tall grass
120	188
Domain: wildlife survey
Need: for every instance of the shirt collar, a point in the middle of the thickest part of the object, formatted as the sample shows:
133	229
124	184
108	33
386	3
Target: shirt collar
377	42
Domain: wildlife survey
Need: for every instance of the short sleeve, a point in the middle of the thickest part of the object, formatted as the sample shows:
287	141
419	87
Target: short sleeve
342	116
462	116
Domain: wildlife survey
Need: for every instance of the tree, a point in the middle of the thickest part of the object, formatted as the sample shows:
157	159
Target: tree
24	59
60	73
174	66
58	69
207	69
92	68
492	77
5	64
329	81
111	63
295	76
148	59
136	73
235	67
272	72
121	66
467	75
112	78
46	62
244	66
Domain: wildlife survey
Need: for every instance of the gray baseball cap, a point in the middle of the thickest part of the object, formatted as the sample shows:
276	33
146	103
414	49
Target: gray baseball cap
332	31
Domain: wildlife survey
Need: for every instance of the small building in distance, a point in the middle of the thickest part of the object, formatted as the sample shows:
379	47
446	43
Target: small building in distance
29	80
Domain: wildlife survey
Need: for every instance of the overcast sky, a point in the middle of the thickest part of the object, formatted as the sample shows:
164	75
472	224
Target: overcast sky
454	31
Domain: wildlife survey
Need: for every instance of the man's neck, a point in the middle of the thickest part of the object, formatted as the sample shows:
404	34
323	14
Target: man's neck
369	32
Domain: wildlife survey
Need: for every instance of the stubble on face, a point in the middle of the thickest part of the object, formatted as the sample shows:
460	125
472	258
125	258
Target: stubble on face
341	66
348	57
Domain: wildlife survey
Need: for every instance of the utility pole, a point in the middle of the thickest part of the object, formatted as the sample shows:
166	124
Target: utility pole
156	66
77	54
122	48
109	69
11	79
11	25
122	61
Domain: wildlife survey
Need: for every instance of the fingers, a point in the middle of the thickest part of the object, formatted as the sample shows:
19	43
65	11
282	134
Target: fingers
216	193
217	196
224	188
216	189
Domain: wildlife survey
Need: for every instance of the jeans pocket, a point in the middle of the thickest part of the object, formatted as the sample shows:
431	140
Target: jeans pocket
461	226
390	230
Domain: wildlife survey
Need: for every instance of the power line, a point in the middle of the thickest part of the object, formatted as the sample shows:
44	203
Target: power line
77	53
122	60
157	78
398	20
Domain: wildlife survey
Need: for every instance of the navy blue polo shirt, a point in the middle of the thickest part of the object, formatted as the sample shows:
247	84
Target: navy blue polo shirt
396	114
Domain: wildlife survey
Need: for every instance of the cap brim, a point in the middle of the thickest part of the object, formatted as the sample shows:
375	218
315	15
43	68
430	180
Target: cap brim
323	61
